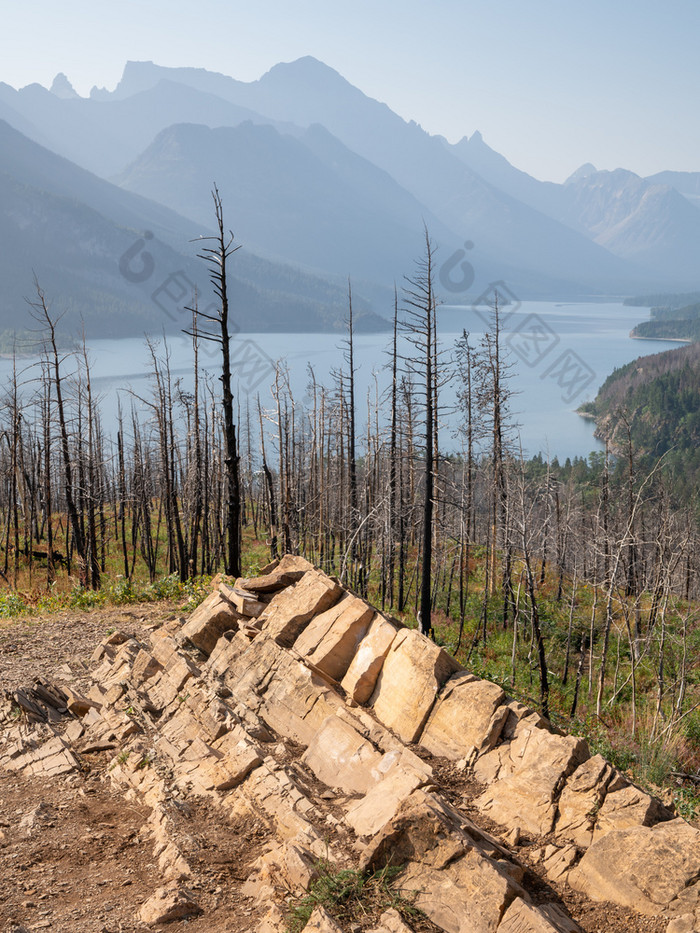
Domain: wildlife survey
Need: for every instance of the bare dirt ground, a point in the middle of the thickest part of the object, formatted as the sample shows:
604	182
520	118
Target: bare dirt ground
73	853
74	857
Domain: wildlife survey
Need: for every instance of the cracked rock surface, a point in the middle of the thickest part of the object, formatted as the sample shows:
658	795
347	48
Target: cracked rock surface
163	772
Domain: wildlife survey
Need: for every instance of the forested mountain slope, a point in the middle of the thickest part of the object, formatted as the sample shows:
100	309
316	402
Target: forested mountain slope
654	402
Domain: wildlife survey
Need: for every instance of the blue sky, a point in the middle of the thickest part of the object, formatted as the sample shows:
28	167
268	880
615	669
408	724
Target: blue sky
549	83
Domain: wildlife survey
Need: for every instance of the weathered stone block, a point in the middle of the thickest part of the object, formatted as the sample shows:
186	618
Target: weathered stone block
169	903
644	868
285	572
292	609
629	806
402	776
469	714
526	794
330	640
581	799
414	670
361	676
245	602
209	621
340	757
521	917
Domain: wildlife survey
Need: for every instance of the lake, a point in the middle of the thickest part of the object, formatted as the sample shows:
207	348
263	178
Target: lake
560	354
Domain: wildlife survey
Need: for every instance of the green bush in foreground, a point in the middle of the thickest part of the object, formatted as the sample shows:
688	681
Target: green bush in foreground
349	894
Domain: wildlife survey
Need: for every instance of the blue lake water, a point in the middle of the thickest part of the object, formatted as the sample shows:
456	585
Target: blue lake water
560	354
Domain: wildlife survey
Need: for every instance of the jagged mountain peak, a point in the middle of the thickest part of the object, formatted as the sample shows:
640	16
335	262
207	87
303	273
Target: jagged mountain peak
583	172
307	67
62	87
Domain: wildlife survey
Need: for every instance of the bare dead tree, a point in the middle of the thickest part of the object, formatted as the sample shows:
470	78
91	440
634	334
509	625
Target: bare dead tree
216	328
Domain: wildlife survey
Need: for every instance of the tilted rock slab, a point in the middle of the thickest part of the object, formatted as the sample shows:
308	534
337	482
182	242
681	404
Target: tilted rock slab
414	670
646	868
256	710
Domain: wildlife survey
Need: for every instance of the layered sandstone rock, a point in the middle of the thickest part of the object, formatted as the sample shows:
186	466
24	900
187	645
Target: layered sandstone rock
289	702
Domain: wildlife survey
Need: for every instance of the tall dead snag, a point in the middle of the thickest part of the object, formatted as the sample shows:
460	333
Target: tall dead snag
43	317
352	463
393	453
493	397
420	303
216	329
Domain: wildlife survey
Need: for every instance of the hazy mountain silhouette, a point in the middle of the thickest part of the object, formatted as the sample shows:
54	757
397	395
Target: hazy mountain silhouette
307	199
650	224
319	176
687	183
71	229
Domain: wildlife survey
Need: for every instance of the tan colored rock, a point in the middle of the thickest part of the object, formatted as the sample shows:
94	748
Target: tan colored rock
48	760
145	667
290	698
271	794
414	670
391	922
285	572
340	757
171	863
427	829
521	917
469	714
164	641
559	861
245	602
228	648
286	868
330	640
471	896
107	647
458	891
687	923
628	807
169	685
526	793
289	612
114	670
361	676
219	767
644	868
194	714
581	800
169	903
76	702
273	922
209	621
497	763
321	921
402	776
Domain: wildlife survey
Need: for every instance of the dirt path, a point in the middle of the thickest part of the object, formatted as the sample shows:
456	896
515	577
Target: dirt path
74	857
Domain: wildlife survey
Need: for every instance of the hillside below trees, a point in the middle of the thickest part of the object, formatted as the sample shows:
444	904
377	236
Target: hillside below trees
654	404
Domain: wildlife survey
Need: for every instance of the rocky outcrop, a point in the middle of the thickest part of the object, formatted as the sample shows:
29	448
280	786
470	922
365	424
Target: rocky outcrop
287	701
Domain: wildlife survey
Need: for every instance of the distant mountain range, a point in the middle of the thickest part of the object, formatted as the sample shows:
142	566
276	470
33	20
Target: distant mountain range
319	183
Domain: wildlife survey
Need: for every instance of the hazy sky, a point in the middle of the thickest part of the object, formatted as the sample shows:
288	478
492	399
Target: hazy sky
549	83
